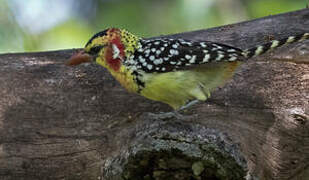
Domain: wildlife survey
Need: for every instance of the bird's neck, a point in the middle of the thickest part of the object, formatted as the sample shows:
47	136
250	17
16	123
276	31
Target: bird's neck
130	42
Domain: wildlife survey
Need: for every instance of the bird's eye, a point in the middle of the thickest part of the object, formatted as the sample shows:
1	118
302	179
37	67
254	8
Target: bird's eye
95	50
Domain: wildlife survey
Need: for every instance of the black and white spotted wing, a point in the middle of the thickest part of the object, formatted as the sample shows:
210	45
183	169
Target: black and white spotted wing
165	55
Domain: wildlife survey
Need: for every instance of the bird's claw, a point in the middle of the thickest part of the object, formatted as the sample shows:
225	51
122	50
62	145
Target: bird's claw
169	115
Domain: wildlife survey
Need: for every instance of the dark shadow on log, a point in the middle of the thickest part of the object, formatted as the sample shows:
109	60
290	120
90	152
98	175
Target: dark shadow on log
176	150
58	122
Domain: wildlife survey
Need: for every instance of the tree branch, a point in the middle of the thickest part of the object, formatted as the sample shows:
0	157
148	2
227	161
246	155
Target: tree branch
58	122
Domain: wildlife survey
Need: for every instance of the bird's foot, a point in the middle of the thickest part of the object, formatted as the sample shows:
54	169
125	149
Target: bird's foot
170	115
188	105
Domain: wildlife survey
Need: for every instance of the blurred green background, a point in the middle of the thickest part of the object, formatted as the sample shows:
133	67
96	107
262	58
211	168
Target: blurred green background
39	25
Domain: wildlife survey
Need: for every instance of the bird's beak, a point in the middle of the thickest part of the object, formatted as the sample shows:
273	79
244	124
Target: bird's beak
79	58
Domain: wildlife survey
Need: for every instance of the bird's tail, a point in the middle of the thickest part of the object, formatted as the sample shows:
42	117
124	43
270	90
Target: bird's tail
261	49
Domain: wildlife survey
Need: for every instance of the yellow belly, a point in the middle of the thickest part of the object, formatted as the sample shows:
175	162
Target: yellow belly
177	88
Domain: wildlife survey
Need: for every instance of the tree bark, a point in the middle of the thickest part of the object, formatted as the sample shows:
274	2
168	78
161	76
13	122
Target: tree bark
58	122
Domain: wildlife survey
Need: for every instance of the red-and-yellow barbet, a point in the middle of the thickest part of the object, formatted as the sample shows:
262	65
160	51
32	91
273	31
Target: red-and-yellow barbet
172	71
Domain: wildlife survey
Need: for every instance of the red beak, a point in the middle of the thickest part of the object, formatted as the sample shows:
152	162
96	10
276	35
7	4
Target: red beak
79	58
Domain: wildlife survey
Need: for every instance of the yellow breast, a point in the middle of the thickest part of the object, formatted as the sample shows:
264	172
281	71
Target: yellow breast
123	76
126	79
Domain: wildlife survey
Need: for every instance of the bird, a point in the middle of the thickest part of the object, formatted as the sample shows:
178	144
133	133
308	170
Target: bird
175	71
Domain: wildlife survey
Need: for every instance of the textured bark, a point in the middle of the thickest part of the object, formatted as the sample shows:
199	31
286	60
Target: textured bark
58	122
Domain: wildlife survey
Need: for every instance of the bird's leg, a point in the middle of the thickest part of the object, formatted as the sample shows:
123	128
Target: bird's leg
166	115
175	114
189	104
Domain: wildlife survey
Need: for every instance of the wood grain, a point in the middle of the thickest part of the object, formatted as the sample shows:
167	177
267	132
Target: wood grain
58	122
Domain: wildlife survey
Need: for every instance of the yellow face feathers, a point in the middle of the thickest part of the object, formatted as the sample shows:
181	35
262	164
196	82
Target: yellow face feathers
111	47
103	38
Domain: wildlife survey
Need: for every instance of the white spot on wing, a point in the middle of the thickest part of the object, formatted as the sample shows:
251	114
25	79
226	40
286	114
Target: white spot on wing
186	43
231	50
141	59
149	66
232	58
203	44
133	68
140	49
219	57
206	58
175	46
147	51
219	47
158	61
192	60
174	52
132	57
220	52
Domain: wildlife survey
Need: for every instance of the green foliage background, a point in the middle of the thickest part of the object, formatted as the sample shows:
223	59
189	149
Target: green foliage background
144	17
